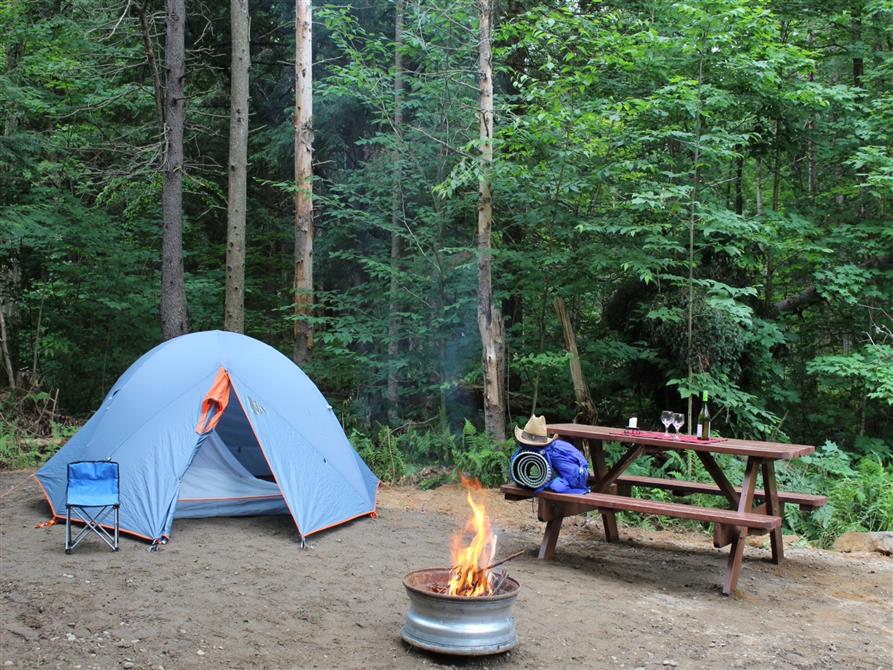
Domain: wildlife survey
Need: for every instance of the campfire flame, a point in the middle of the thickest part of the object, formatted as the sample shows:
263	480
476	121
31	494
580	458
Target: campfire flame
469	575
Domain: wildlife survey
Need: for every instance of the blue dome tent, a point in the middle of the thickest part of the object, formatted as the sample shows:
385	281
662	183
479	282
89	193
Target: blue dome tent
219	424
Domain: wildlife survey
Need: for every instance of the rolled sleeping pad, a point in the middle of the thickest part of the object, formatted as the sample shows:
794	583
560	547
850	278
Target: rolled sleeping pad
531	469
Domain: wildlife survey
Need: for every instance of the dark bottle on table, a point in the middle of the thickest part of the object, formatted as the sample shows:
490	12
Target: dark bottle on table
704	420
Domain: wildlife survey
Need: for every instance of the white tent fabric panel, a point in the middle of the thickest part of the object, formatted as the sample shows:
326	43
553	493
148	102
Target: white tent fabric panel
216	481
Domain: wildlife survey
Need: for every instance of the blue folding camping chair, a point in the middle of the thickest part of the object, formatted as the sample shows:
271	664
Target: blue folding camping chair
92	485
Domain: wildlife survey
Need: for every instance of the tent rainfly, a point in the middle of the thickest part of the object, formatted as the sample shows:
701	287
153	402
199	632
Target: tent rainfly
219	424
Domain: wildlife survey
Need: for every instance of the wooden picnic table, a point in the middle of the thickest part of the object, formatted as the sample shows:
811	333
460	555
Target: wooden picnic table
611	490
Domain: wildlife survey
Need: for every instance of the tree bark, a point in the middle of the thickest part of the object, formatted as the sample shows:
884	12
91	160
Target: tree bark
810	132
174	312
586	413
157	88
489	315
692	225
776	204
858	61
303	287
739	184
4	347
234	311
758	186
396	216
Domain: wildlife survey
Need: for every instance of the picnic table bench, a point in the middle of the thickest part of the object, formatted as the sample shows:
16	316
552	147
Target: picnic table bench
611	490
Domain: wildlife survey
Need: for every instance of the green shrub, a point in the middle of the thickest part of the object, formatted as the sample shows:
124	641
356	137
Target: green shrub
481	457
861	501
426	447
860	492
382	455
34	433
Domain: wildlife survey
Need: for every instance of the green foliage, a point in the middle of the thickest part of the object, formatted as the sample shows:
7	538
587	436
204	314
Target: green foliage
718	339
382	454
871	368
859	491
642	151
30	432
436	453
479	456
860	494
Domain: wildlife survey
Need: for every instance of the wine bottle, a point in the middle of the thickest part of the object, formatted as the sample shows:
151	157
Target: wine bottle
704	420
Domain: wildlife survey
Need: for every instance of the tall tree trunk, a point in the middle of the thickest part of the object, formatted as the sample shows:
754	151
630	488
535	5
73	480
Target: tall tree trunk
769	293
303	287
4	347
234	312
739	183
858	60
157	87
758	186
810	132
174	312
489	315
776	169
396	216
692	225
586	413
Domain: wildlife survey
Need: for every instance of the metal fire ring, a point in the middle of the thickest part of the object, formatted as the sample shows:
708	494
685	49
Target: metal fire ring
458	625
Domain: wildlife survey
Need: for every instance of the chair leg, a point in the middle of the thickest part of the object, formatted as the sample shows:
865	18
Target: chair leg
92	524
117	525
67	530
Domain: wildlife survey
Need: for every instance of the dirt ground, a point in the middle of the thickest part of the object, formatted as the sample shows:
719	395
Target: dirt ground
240	593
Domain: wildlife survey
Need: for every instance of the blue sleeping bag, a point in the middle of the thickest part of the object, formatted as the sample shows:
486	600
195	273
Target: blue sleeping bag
569	466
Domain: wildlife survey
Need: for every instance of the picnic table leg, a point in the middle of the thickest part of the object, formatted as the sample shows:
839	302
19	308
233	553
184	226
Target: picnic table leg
745	503
553	518
609	519
774	508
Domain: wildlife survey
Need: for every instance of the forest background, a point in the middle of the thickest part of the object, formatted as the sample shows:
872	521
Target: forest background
728	160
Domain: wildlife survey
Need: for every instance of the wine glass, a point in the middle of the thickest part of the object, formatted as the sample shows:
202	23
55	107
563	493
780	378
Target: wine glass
666	418
678	422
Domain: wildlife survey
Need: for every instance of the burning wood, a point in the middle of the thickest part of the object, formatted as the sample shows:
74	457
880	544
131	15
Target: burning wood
473	549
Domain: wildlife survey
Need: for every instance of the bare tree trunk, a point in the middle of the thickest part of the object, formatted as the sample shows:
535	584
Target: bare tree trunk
739	184
4	347
303	287
858	61
542	328
174	312
586	413
692	224
396	216
234	311
157	88
810	131
769	293
758	186
776	169
489	315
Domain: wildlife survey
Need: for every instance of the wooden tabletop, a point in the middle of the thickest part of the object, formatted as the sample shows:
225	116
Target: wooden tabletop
772	450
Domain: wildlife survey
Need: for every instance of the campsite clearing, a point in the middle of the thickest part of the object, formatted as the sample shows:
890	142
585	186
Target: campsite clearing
239	593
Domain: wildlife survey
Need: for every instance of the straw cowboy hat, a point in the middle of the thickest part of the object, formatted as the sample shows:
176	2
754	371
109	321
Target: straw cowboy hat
535	433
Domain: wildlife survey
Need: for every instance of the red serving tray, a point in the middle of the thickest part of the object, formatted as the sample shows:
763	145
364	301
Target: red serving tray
670	437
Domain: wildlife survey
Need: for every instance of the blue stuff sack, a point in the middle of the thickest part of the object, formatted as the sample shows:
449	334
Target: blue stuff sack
570	466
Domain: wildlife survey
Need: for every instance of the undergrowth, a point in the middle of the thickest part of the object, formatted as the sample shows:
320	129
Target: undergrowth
30	429
859	487
859	490
432	457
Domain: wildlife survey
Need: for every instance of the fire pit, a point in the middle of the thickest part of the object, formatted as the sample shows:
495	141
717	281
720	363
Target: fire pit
462	625
466	609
